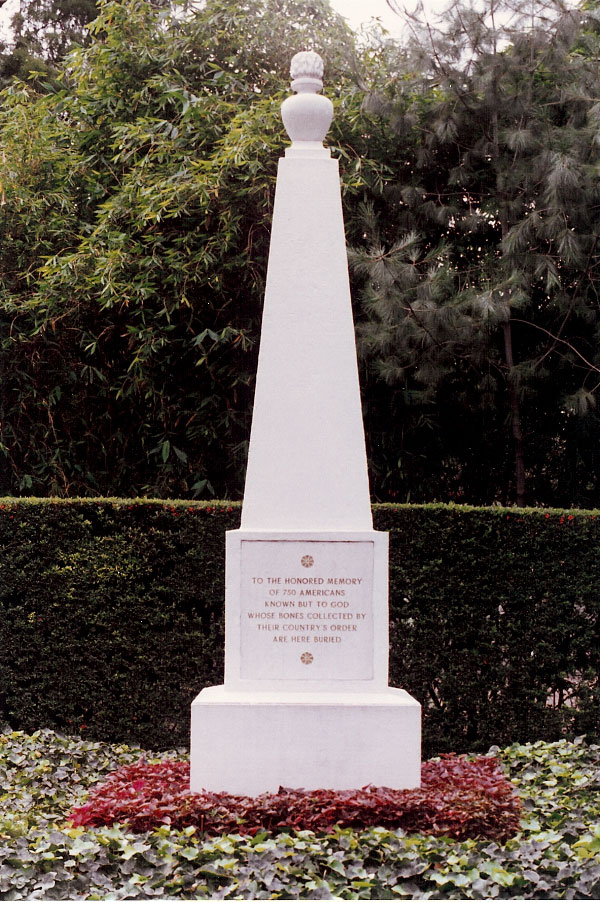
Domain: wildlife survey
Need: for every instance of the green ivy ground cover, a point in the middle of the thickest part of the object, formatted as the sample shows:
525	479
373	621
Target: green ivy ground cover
556	855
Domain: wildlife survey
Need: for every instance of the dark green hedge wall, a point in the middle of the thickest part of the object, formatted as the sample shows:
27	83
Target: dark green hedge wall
111	617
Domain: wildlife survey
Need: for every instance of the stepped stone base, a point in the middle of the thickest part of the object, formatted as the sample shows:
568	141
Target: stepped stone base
250	743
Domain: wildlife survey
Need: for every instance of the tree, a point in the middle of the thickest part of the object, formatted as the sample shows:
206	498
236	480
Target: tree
491	298
50	29
135	207
43	32
134	235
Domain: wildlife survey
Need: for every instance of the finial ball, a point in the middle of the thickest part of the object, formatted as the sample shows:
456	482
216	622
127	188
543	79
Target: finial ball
306	70
307	64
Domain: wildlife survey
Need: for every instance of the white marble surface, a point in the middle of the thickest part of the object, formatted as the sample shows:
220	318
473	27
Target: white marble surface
250	745
306	610
321	624
306	701
307	464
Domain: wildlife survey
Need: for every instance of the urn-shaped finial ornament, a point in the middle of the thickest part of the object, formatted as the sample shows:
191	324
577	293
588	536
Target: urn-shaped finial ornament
307	115
306	70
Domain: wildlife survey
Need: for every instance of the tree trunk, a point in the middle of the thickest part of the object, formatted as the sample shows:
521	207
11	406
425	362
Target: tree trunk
513	397
515	417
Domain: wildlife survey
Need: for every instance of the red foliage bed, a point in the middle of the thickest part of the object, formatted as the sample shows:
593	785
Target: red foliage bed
461	797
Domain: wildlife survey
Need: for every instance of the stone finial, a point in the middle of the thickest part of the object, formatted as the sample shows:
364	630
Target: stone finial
307	115
306	70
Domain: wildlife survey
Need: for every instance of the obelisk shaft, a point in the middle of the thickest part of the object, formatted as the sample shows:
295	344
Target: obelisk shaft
307	466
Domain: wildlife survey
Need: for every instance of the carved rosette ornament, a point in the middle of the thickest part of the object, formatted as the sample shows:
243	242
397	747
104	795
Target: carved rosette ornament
307	115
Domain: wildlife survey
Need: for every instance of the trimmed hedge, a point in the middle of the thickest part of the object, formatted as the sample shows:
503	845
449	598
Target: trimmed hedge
111	618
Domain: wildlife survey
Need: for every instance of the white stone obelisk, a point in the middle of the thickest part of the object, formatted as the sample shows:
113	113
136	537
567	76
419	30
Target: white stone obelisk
306	701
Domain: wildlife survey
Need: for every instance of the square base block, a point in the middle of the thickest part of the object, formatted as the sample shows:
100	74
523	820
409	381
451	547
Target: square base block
249	743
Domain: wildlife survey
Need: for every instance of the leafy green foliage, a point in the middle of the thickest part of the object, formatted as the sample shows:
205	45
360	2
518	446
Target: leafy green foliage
458	797
120	595
135	210
42	773
134	229
554	856
478	261
49	29
494	618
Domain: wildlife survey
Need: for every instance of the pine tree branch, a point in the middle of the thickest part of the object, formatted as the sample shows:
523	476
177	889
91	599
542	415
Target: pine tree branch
558	340
572	304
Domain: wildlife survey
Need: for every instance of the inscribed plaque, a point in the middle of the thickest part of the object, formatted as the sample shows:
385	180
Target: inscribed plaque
306	610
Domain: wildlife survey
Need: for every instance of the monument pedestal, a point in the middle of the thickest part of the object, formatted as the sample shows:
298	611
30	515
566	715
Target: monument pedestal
306	702
247	744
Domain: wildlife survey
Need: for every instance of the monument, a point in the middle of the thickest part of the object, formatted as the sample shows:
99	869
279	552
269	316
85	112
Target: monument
306	702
